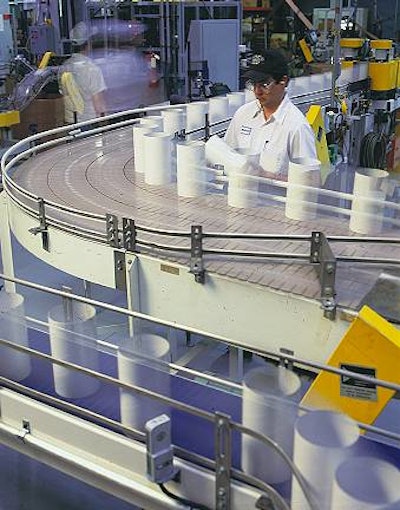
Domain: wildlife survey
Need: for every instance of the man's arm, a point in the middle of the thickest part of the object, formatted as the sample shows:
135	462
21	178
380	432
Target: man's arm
99	104
303	143
230	135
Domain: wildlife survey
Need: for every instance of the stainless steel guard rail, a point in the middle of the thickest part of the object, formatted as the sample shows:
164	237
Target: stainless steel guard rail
68	219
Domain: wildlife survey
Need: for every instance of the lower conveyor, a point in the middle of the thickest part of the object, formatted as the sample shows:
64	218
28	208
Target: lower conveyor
190	433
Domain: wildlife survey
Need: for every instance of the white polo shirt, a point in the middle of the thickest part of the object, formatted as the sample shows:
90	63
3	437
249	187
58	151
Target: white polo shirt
286	136
89	80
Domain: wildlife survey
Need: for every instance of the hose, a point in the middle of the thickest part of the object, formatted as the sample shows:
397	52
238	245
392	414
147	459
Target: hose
373	151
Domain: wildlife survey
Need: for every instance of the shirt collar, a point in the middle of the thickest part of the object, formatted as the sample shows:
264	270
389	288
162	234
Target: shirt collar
279	115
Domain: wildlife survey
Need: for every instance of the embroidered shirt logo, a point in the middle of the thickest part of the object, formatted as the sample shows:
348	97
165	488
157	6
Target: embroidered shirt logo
245	130
257	59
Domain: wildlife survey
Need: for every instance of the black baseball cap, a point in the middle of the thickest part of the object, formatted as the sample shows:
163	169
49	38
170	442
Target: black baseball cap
271	63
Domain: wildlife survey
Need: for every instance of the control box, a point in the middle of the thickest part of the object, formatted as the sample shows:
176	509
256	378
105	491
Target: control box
160	455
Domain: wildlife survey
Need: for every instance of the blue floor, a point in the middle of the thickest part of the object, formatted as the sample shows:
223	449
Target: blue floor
186	429
26	484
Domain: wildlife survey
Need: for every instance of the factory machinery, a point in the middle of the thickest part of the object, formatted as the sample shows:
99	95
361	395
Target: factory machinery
156	49
215	337
194	334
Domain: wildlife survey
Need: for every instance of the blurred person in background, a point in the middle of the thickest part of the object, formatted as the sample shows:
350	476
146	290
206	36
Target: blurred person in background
82	81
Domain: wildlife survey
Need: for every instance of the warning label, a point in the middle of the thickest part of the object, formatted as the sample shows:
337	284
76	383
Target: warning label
352	387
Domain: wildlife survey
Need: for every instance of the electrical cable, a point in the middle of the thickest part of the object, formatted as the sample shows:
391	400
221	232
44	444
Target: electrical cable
373	151
187	502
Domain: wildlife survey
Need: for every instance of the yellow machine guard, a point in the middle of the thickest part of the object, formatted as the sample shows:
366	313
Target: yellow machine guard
314	117
306	51
351	42
371	346
45	60
383	75
9	118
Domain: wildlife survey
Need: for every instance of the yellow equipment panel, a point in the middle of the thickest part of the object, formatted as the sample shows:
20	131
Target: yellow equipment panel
351	42
398	73
371	346
383	75
381	44
45	59
306	51
9	118
314	117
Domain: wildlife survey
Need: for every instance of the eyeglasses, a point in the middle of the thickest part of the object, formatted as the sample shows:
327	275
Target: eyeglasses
251	84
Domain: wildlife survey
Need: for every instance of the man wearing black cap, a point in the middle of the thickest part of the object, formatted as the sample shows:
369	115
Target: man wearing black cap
271	125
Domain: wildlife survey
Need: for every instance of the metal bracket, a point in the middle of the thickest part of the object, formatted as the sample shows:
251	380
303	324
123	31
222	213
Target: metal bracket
26	429
223	458
180	135
322	255
42	228
119	270
196	253
128	234
112	230
283	360
207	132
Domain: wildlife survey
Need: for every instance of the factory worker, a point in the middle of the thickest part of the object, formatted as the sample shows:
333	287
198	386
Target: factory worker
271	126
82	81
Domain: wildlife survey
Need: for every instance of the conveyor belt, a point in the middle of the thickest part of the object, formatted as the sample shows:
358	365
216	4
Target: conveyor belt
96	174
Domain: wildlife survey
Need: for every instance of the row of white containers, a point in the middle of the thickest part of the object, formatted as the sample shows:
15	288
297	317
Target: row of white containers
193	164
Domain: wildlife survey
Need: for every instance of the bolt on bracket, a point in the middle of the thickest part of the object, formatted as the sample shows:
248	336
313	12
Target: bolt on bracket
322	256
42	228
196	253
112	230
128	234
25	430
223	459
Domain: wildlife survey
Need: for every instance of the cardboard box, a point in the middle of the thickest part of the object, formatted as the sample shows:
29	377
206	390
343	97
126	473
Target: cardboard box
261	4
43	113
249	4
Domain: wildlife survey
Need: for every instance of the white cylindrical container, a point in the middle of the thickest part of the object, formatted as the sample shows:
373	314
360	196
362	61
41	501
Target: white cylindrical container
365	483
243	185
370	179
191	169
266	409
141	362
367	213
196	115
322	441
138	146
369	193
249	95
174	121
153	121
72	333
235	101
218	108
13	364
304	181
218	152
158	154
